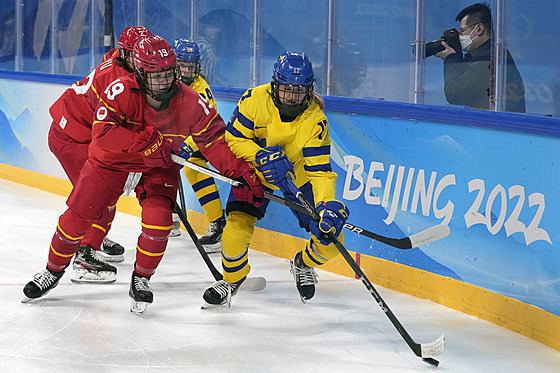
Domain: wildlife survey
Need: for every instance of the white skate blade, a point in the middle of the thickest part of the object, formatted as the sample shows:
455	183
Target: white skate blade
111	258
138	307
253	284
214	248
29	300
175	233
208	306
83	276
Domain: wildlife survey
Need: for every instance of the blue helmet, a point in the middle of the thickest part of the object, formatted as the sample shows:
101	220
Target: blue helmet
187	51
292	69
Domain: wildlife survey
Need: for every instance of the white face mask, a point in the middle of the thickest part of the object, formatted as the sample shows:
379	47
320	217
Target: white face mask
466	40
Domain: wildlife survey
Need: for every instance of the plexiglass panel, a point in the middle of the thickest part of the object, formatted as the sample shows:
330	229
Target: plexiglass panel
7	35
374	55
359	49
169	19
225	37
288	27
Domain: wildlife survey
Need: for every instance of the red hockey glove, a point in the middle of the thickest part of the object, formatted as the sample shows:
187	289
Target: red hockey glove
155	149
252	190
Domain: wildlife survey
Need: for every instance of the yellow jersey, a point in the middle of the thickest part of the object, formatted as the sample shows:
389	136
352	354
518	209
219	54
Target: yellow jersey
255	123
203	90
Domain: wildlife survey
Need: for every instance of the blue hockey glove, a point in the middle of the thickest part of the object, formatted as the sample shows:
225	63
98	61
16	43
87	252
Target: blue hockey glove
185	151
333	216
275	166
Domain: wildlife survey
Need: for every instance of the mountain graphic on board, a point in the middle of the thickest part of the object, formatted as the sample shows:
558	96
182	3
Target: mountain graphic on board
12	151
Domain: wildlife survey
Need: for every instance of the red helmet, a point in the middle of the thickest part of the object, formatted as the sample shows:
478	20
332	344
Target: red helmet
130	35
154	55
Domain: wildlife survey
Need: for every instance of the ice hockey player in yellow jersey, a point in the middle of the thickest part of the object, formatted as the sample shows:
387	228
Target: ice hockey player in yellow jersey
188	57
281	128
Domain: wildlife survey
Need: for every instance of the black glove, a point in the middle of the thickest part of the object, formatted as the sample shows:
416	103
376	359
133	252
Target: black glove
451	37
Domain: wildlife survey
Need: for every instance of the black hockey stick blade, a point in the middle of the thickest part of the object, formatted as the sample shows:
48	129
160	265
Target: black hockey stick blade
431	361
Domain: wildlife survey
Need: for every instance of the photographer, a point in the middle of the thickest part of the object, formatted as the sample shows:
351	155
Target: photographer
469	79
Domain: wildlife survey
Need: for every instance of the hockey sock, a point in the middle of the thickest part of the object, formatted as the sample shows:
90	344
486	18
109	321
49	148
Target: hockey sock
156	226
316	254
206	190
235	242
99	229
66	239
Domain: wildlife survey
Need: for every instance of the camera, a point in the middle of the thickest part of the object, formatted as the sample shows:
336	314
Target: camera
451	37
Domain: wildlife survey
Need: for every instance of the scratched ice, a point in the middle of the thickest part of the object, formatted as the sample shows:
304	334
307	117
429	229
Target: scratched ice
89	328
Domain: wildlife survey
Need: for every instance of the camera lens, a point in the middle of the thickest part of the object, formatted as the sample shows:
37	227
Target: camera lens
433	47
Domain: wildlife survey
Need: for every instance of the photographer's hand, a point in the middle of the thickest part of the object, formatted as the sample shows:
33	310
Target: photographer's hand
446	52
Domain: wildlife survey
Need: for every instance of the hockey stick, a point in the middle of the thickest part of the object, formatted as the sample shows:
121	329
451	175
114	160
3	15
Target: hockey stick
217	275
182	197
427	351
108	37
431	234
251	283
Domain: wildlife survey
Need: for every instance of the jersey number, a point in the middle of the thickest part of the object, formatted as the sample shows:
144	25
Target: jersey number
323	126
114	89
205	104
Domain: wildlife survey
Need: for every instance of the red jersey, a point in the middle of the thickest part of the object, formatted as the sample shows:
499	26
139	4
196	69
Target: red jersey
73	111
123	113
112	53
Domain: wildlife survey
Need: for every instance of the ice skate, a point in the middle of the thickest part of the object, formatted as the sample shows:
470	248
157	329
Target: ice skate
212	239
176	230
220	293
141	293
305	277
111	251
42	283
90	268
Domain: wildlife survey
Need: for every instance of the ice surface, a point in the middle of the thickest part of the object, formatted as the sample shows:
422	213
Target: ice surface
89	328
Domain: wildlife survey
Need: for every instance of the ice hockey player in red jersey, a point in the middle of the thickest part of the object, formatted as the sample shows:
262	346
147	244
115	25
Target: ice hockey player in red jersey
139	121
69	138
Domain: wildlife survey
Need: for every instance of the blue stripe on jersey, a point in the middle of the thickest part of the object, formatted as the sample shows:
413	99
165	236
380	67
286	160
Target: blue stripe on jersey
203	184
311	256
231	129
320	167
316	150
246	122
209	198
236	268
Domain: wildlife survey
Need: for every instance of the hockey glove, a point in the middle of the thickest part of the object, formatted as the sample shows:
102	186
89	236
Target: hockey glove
252	190
275	166
154	148
185	151
333	216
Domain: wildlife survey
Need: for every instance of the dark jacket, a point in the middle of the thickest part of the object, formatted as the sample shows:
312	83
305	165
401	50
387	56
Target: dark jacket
471	83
